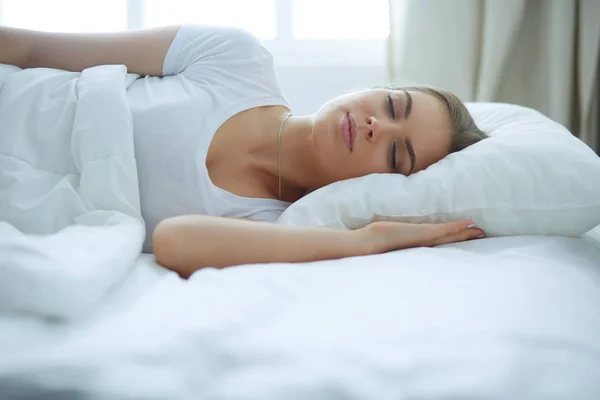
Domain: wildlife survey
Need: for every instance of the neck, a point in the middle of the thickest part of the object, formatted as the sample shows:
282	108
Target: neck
299	167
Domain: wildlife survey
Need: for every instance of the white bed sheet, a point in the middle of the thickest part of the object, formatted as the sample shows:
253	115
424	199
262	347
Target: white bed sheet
502	318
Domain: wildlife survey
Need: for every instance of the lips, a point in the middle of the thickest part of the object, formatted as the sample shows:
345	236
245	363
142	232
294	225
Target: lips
352	130
348	131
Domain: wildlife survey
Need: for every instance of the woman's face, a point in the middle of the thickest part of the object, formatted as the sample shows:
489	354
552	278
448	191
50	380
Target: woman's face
380	131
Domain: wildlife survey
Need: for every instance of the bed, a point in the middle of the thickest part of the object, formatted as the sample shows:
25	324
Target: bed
501	318
84	315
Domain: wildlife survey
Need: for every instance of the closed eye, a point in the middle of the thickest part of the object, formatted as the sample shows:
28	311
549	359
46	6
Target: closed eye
391	105
393	157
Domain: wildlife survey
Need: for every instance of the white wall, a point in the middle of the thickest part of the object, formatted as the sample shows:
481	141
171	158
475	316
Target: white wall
308	87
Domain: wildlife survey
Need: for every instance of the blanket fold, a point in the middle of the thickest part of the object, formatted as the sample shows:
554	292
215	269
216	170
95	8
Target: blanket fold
70	220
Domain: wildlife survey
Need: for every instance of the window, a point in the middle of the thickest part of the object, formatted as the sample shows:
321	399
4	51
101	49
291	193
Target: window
256	16
340	19
64	15
298	32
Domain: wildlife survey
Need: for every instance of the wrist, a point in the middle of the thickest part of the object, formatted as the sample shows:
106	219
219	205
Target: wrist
363	241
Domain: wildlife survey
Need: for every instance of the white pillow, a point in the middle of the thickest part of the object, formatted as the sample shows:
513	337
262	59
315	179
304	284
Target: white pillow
531	177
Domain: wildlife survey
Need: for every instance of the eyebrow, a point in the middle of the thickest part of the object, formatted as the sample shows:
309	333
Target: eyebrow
409	102
409	147
411	154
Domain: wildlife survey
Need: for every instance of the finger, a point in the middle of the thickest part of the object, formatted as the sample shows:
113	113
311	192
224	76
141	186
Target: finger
457	226
465	234
435	231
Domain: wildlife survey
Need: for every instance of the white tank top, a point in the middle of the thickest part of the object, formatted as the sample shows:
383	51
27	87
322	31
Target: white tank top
211	74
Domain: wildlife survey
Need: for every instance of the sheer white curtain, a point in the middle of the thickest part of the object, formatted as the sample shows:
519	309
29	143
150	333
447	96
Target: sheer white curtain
538	53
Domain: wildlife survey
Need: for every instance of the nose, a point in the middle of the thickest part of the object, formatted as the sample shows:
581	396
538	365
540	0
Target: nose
376	129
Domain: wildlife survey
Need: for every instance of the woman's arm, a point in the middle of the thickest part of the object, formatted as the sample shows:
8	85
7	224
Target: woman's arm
142	51
188	243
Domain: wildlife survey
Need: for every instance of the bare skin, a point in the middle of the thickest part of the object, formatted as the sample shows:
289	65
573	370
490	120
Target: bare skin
313	154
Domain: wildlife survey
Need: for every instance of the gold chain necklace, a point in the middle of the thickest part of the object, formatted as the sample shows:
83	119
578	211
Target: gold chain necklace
279	152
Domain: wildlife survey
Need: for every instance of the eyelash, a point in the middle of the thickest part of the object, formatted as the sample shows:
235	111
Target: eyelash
393	158
391	105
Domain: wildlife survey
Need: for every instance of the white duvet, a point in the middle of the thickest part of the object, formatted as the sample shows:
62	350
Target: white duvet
70	224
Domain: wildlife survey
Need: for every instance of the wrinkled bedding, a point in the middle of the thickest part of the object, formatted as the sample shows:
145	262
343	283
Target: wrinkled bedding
501	318
70	223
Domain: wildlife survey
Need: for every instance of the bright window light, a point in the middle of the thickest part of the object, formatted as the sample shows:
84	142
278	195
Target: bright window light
65	15
256	16
340	19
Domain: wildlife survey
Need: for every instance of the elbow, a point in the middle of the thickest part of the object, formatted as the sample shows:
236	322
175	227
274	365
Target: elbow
164	241
17	47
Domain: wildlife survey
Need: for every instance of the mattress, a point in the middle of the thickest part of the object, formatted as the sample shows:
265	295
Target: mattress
501	318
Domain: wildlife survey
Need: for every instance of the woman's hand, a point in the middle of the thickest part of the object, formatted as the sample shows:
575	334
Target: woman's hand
383	236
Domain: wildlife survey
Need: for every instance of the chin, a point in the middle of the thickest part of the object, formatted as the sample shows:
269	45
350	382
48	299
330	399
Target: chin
323	127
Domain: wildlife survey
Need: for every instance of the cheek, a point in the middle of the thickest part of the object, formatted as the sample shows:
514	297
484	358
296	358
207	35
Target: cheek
433	150
330	108
371	162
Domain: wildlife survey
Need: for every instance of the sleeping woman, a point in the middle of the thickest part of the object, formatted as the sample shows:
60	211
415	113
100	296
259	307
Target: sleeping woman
220	153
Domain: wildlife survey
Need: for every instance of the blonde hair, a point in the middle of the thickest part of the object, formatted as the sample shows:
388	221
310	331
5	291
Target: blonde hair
465	132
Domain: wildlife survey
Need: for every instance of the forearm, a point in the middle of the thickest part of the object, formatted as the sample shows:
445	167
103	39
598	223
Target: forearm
188	243
142	51
15	45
